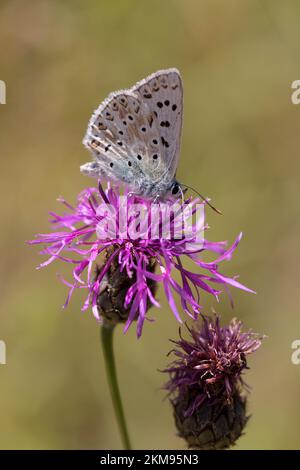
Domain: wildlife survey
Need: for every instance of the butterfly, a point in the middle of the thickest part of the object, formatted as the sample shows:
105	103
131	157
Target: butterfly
134	136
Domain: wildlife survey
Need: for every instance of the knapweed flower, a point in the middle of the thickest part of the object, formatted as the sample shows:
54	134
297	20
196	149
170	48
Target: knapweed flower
206	384
121	246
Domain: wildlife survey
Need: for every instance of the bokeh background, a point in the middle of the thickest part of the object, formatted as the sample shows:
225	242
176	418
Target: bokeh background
240	146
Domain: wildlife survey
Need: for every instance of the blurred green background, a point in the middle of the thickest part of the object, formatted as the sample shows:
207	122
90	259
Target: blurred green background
240	146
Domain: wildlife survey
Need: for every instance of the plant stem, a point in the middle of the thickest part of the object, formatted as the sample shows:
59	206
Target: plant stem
107	345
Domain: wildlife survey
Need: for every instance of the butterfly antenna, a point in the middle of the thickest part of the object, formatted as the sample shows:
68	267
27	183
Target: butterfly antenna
204	199
182	195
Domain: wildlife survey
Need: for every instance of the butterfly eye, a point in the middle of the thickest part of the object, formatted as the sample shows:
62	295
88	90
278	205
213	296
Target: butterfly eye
175	188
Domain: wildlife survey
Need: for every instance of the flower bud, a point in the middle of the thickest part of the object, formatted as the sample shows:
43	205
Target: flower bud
213	425
206	385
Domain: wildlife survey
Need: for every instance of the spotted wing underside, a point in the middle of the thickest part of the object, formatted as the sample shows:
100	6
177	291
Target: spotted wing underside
135	133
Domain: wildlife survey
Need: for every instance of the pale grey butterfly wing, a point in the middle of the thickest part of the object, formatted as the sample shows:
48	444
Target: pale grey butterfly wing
163	93
134	139
122	136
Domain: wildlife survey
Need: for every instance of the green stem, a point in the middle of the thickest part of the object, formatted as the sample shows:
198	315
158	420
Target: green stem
107	345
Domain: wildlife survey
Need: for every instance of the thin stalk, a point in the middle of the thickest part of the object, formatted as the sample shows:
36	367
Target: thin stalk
109	359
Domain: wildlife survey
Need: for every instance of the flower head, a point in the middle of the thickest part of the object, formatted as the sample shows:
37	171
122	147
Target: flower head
206	383
211	363
137	240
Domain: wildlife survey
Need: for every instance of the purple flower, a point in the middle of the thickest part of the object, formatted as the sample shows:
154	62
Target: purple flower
96	225
208	367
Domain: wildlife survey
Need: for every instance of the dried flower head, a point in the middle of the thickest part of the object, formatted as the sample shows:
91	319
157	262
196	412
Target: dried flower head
107	224
206	382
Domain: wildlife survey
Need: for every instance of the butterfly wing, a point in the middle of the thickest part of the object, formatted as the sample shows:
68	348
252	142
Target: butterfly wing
134	135
123	138
163	93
